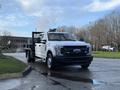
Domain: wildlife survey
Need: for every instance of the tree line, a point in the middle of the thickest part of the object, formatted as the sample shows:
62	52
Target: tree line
3	40
105	31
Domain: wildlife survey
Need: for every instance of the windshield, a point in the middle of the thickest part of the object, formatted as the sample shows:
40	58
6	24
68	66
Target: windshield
61	37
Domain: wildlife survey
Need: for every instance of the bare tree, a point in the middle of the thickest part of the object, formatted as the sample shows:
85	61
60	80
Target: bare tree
105	31
113	21
3	40
70	29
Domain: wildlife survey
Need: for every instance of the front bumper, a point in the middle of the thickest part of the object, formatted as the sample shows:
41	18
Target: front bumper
81	60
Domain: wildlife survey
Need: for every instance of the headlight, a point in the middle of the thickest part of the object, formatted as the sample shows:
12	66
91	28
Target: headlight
89	50
58	50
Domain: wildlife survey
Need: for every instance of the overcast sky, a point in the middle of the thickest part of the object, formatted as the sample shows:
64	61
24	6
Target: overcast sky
21	17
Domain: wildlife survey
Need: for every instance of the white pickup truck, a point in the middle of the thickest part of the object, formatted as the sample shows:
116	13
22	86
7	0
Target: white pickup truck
59	48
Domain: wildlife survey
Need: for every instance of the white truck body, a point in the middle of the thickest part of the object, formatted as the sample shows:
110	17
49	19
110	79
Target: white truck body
62	50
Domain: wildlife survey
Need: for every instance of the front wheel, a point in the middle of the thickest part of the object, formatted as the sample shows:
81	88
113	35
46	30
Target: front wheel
49	61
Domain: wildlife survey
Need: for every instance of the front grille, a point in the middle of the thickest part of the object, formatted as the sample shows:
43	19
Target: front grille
74	50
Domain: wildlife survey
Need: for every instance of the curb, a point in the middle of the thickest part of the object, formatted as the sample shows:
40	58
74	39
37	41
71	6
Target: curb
25	72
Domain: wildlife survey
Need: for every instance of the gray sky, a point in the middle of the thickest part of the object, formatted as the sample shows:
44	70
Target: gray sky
21	17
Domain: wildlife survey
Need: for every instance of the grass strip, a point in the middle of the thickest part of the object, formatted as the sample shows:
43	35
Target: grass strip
11	65
105	54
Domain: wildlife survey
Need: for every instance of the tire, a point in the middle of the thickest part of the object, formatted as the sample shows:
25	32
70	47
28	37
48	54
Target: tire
85	66
49	61
28	57
33	60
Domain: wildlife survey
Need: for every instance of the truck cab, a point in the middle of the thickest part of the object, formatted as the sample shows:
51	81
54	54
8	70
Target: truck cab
61	48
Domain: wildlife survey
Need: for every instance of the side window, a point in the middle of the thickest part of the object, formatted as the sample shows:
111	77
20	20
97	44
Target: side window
41	36
38	38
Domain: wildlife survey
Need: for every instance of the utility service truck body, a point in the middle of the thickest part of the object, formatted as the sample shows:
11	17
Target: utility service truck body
58	49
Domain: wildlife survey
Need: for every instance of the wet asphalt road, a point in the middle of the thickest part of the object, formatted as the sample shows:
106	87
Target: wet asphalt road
103	74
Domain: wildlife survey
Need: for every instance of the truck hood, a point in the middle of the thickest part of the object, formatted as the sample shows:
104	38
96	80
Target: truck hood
69	43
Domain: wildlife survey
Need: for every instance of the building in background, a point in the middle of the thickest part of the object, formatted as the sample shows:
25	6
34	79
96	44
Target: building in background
13	43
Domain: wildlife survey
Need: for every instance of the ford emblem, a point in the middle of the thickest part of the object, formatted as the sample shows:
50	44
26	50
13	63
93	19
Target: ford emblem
77	50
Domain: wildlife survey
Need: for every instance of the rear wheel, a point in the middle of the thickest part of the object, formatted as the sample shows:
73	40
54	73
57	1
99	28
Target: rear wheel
49	61
33	60
85	66
28	57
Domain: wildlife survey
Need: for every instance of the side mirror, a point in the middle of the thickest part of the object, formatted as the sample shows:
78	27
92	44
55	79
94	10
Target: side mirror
43	41
38	40
81	39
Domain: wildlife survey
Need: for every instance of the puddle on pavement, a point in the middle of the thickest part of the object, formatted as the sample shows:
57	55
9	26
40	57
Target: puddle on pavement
74	73
9	84
73	78
95	82
34	87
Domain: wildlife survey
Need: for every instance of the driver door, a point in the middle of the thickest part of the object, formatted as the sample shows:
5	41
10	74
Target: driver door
40	48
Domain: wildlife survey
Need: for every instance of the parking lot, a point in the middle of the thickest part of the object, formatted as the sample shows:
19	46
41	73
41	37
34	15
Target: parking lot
103	74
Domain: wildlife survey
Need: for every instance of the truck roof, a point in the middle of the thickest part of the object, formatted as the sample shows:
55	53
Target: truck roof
58	32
